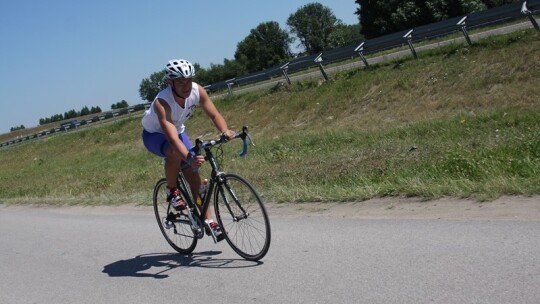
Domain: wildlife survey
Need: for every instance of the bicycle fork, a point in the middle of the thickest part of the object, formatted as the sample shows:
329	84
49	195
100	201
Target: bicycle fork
236	218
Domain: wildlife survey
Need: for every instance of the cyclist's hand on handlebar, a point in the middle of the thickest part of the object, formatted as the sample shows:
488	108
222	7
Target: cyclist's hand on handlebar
197	161
230	134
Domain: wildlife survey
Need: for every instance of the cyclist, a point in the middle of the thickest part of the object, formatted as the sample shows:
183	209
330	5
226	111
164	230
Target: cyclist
164	130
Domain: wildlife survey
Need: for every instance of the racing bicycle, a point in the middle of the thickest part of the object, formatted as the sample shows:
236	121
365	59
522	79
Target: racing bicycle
238	208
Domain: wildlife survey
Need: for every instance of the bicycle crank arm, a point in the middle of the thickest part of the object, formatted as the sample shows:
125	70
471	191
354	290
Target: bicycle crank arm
195	225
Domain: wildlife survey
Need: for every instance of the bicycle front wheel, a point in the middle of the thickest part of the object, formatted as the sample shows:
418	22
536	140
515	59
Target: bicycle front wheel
242	217
174	225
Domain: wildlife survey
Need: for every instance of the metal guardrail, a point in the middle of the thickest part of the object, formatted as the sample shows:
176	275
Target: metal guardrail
495	15
75	124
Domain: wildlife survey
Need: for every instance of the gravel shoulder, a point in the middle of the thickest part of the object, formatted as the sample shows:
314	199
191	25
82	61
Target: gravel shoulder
504	208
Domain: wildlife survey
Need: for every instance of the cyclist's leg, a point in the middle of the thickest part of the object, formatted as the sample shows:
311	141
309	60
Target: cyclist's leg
172	166
194	180
158	144
192	175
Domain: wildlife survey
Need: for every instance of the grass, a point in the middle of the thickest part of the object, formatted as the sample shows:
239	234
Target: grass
460	121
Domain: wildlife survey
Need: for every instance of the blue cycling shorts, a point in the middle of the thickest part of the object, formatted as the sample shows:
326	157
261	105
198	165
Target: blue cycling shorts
158	144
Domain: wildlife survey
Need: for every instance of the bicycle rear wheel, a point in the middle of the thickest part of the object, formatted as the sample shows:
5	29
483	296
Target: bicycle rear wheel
242	217
174	225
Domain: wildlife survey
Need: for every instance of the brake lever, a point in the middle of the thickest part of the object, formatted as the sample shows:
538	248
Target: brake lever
198	146
243	135
244	148
250	140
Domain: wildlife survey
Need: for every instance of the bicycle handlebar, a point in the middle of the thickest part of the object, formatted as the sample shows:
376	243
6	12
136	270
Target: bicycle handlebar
244	135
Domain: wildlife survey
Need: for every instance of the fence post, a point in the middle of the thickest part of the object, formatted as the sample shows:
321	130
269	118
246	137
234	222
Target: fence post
463	27
207	87
285	68
360	50
526	11
230	83
408	36
319	61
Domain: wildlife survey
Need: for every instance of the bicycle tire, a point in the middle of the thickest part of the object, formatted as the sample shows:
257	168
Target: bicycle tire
180	236
249	237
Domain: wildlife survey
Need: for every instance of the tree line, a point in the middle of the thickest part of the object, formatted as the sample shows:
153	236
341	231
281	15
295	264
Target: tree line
383	17
83	112
70	114
74	114
120	105
315	28
21	127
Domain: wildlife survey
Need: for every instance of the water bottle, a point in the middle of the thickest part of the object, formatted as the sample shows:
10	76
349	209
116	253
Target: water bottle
202	192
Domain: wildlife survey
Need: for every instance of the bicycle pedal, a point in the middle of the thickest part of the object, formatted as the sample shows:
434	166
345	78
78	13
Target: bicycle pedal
220	237
217	236
168	225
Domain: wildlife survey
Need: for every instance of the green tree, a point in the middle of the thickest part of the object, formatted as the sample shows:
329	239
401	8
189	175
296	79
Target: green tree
374	17
201	74
95	110
313	24
266	45
57	117
151	86
85	111
385	17
120	105
71	114
219	72
494	3
54	118
344	35
21	127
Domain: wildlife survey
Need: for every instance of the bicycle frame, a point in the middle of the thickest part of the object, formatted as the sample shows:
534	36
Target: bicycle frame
214	181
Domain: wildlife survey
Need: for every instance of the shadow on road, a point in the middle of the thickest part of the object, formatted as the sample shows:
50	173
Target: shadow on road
156	265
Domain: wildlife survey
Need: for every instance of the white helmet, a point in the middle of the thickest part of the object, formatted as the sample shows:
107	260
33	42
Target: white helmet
179	68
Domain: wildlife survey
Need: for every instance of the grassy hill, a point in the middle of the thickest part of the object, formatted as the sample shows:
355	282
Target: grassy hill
460	121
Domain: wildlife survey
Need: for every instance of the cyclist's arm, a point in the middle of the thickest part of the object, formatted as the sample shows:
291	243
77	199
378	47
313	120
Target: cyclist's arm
163	112
212	112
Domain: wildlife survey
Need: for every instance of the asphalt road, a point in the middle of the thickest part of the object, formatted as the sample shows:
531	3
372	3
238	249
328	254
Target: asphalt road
86	255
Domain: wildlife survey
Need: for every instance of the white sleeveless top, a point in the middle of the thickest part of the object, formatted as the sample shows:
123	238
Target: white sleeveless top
179	115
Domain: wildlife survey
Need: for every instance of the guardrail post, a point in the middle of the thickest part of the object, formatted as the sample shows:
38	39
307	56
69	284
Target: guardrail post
463	27
230	83
526	11
360	50
319	61
285	68
408	36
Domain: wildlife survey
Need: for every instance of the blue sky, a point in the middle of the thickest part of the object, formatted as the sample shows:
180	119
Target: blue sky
58	55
